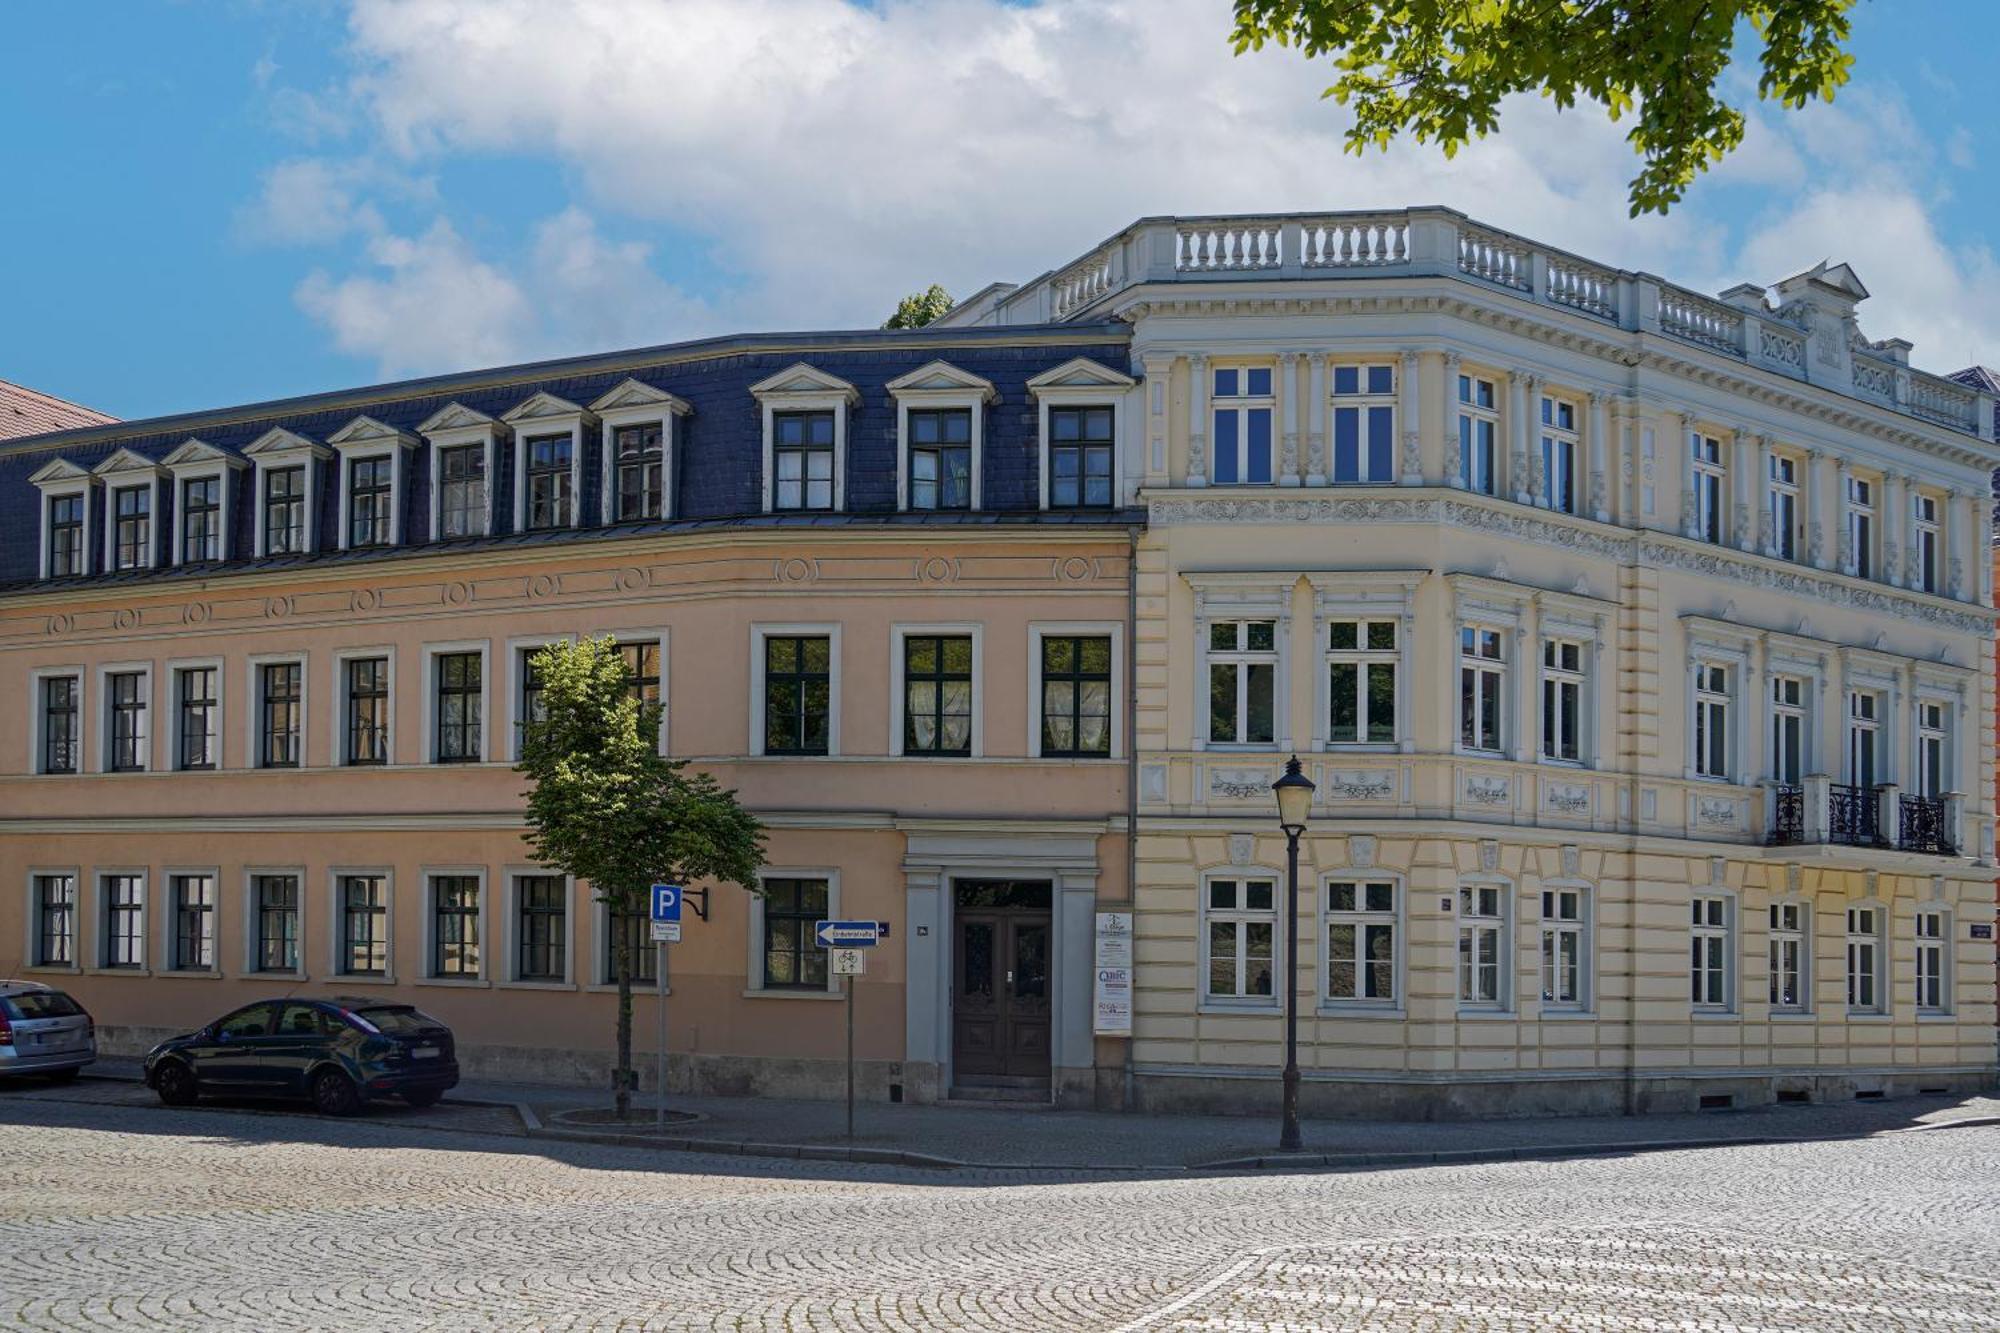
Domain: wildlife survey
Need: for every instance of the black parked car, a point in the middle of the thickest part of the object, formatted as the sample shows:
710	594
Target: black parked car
338	1052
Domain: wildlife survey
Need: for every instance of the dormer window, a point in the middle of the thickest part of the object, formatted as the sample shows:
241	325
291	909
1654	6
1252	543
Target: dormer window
285	511
203	493
940	420
66	518
802	451
1079	403
638	452
131	483
65	542
373	472
201	520
285	494
805	439
463	446
640	461
548	464
371	490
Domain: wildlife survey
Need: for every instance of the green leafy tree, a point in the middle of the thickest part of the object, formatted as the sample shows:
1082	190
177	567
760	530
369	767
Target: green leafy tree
1438	68
605	806
920	308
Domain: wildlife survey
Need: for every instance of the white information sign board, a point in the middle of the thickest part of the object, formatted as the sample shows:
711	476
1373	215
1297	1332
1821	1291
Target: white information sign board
666	932
1113	1010
849	962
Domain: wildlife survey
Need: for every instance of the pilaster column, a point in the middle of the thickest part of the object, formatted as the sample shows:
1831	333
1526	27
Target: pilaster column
1760	482
1844	536
1197	460
1454	454
1520	389
1159	371
1316	421
1742	464
1600	459
1895	526
1409	409
1961	540
1527	683
1289	416
1816	508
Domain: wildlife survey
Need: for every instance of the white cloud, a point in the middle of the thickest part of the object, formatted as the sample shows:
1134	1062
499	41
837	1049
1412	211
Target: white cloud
310	201
434	304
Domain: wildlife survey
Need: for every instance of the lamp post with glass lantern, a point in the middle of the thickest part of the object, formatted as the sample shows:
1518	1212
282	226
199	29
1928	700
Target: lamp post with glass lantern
1294	792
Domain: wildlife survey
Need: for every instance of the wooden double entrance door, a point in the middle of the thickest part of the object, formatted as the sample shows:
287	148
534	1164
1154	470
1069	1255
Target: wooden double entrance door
1002	947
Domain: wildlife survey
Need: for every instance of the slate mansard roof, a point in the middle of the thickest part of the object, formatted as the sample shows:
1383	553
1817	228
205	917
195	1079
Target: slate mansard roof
718	464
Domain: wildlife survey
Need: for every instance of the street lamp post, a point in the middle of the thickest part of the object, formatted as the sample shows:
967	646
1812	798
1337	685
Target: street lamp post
1295	793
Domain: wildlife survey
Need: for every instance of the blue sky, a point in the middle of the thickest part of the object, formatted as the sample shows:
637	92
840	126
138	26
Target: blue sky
224	201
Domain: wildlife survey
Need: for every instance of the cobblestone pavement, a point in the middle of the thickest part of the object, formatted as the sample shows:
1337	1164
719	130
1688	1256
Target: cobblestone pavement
137	1215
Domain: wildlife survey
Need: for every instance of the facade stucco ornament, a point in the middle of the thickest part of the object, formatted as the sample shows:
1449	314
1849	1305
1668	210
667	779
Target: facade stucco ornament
1690	521
1798	581
1413	455
1238	784
1242	848
1571	860
1958	576
1489	855
1844	551
1517	467
1197	454
1538	479
1715	812
1487	790
1792	875
1454	461
1600	499
1361	852
1289	457
1742	516
1567	798
1361	785
1767	533
1815	542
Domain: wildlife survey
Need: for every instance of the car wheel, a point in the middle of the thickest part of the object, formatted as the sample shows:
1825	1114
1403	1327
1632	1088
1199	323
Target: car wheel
333	1093
421	1097
64	1075
175	1083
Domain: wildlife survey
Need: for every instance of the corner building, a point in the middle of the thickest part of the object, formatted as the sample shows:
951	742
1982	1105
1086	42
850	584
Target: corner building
1639	643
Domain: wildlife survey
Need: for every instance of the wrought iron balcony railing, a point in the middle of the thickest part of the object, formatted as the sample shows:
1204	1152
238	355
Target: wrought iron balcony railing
1853	816
1924	826
1788	816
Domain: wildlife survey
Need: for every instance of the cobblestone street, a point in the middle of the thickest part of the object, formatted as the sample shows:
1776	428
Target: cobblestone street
217	1218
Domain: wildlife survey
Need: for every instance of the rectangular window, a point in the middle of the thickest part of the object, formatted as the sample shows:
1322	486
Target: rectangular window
542	927
1864	738
1361	664
280	687
285	511
550	503
792	960
802	461
1559	446
642	661
127	691
364	925
1482	924
462	491
941	458
1783	502
1562	699
798	694
1933	772
454	925
367	686
132	530
1482	686
1242	682
1080	444
1709	966
641	459
277	907
1361	942
1788	730
1933	934
1788	956
195	700
634	930
1243	404
1076	695
370	491
937	694
461	708
1705	485
201	519
1478	435
529	708
55	920
124	920
194	922
1861	525
1924	543
1242	930
1364	424
1565	976
60	712
1864	959
65	536
1711	720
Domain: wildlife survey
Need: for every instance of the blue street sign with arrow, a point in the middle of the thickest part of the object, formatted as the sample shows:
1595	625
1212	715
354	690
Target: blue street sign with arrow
848	934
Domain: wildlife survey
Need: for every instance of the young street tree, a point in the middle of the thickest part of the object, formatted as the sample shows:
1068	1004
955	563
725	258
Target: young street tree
1438	68
605	806
919	308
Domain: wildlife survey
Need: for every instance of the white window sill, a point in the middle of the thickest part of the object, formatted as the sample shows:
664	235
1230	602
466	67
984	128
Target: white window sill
191	973
1346	1009
1718	1015
1936	1016
254	975
1568	1015
536	985
1487	1015
118	971
1221	1008
1792	1016
353	979
454	983
638	988
1361	747
1869	1016
758	993
55	969
1496	756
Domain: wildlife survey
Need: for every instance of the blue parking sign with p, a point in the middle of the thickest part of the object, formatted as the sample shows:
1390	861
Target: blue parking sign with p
666	902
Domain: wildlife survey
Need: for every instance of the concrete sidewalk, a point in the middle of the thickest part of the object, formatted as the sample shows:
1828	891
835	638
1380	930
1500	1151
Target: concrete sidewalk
1021	1138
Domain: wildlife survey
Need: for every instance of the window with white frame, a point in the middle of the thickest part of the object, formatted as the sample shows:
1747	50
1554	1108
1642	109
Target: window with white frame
1364	423
1478	434
938	678
459	704
1924	543
455	933
61	723
824	399
284	491
1075	684
1782	504
529	707
1080	447
1864	738
284	509
1788	730
365	691
197	717
132	527
1559	455
1242	682
67	520
1564	664
65	543
790	960
802	454
462	503
798	708
1482	688
551	498
1706	473
371	493
1242	403
201	519
639	457
1712	734
939	457
1361	947
1565	948
1362	658
1791	976
280	714
1482	946
1240	930
1933	738
123	900
372	474
193	905
1864	959
1860	509
129	739
1933	974
55	920
637	452
362	902
1713	928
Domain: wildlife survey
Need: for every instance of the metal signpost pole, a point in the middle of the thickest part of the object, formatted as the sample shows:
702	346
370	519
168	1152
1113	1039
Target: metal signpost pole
849	987
660	1074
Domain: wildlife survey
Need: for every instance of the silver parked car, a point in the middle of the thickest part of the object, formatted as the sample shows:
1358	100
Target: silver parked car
43	1031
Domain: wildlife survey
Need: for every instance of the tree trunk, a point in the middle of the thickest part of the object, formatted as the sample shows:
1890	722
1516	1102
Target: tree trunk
622	955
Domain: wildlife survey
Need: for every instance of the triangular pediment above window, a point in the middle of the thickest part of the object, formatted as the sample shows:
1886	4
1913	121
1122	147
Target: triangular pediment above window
453	416
544	406
194	452
637	393
57	471
1080	373
804	379
278	442
942	377
125	461
366	430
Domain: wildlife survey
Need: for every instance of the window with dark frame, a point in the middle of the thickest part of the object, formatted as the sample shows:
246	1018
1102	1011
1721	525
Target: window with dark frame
454	925
370	496
55	920
642	660
550	503
197	707
285	511
201	520
194	922
124	920
543	927
532	708
940	458
1080	444
462	491
802	460
1076	695
65	536
364	925
635	929
277	900
937	694
460	708
367	710
798	690
793	960
60	699
278	697
641	462
128	721
132	528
